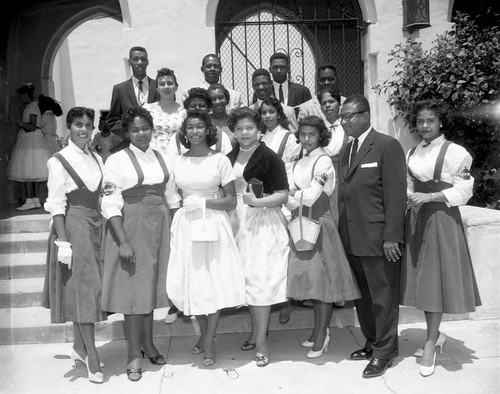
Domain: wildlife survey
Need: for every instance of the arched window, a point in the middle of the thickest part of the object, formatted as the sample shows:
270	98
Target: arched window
311	32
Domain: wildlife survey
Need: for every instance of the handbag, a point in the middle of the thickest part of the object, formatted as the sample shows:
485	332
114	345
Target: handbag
304	230
204	230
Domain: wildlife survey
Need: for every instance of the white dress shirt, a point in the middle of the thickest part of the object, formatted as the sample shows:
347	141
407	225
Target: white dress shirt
284	86
423	161
145	89
120	172
60	182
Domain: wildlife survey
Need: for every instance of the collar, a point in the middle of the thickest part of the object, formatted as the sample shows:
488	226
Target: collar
363	136
145	81
436	141
76	148
315	153
139	152
334	124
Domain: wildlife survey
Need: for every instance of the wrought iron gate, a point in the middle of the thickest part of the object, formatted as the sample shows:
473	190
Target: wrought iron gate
311	32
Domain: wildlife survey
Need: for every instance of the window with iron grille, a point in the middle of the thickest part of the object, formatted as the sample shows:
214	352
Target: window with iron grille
311	32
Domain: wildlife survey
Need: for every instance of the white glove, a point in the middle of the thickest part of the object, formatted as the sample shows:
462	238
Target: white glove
64	252
192	203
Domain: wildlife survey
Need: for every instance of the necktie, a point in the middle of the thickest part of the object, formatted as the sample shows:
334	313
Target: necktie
140	93
354	151
281	96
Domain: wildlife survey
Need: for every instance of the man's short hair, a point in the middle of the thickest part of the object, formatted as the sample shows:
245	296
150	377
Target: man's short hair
327	67
261	71
359	99
207	56
279	55
133	49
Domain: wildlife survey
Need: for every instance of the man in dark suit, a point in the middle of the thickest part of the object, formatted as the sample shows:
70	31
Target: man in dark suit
289	93
372	204
138	90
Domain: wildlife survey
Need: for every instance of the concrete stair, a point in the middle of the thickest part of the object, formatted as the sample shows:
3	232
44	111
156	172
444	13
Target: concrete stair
23	243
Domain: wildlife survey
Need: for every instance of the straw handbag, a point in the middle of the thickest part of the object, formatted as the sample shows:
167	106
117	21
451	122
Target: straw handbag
304	230
204	230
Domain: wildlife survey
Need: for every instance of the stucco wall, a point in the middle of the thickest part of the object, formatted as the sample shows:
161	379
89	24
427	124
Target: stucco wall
178	33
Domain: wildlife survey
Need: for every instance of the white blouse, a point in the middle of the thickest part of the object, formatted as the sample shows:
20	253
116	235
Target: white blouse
423	161
273	139
60	182
310	188
337	139
120	172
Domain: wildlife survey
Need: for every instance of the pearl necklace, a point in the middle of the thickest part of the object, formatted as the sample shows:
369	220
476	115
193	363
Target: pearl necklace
249	149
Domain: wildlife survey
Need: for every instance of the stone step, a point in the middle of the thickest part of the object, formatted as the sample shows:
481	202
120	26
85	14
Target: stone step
24	242
32	324
19	293
22	265
33	223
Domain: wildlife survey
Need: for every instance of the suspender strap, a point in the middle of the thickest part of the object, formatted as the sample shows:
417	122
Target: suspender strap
70	170
440	160
314	165
138	169
282	147
163	166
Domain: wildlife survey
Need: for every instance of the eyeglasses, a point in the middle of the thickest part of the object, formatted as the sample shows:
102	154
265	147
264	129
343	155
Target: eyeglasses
348	117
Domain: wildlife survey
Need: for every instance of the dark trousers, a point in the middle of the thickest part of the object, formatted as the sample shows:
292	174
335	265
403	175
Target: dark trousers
378	308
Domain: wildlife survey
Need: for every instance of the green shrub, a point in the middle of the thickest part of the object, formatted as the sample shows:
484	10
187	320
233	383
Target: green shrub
463	69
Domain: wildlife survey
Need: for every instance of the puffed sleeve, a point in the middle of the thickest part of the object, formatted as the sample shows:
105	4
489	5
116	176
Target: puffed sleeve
324	167
225	170
171	192
56	200
459	162
112	203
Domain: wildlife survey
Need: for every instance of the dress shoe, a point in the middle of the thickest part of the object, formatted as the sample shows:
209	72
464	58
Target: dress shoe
362	354
156	360
324	349
439	344
94	377
172	315
261	360
134	374
307	344
36	201
247	346
377	367
74	356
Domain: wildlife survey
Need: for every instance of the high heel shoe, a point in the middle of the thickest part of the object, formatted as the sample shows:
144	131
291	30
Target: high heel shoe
134	374
96	377
319	353
439	343
156	360
74	356
247	346
428	371
308	345
261	360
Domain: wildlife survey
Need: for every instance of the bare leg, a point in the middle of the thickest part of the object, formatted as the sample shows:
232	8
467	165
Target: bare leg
433	320
203	322
78	343
325	312
316	310
261	317
147	336
252	338
209	343
88	335
133	324
285	312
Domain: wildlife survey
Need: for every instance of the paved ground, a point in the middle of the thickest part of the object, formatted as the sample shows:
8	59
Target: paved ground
470	365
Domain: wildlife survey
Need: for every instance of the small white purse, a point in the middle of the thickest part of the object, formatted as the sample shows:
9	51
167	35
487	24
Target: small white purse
204	230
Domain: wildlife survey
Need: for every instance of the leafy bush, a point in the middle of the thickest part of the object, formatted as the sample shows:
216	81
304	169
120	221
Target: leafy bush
463	69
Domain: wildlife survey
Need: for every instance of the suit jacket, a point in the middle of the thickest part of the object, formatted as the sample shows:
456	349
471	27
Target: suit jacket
297	94
123	98
264	165
372	195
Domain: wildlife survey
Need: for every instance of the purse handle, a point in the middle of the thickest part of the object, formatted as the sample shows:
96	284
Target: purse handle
300	213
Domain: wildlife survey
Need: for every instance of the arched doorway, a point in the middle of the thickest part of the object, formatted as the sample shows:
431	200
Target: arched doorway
311	33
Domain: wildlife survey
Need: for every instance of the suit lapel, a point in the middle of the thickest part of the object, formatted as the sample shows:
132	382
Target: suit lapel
291	93
131	92
152	90
365	148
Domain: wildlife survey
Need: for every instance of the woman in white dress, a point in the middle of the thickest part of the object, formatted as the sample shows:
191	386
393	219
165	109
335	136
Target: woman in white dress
49	109
167	114
220	116
259	225
28	161
204	277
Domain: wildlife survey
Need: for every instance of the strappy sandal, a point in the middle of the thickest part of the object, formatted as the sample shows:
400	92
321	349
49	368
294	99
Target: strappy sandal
247	346
261	360
133	372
